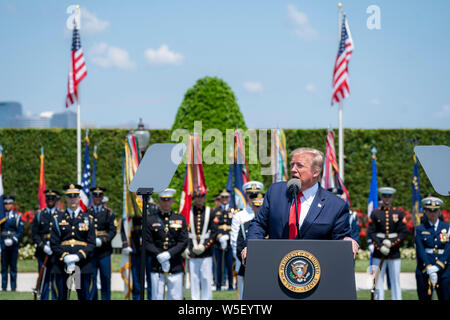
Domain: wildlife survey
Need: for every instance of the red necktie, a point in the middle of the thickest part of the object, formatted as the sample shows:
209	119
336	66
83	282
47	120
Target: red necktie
292	221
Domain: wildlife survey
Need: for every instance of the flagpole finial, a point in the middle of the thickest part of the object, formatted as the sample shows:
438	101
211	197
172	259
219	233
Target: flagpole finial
374	150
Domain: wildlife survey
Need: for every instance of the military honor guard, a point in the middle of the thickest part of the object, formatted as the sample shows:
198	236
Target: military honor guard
387	229
432	252
251	189
223	253
105	230
11	228
202	232
166	240
255	201
40	232
72	240
132	247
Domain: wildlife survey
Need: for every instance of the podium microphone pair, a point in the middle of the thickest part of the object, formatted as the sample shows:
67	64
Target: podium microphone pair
293	188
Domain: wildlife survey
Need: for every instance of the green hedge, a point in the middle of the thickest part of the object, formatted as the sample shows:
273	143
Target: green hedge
20	164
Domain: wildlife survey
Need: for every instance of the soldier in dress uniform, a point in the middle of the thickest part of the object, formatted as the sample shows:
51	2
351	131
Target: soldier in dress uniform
432	252
223	253
72	240
166	239
105	230
255	201
132	247
202	232
40	232
251	189
387	229
11	228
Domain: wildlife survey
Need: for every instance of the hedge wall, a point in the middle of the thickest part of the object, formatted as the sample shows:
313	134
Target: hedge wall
20	163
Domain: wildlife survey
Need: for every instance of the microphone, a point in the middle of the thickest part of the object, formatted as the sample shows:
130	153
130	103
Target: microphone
293	188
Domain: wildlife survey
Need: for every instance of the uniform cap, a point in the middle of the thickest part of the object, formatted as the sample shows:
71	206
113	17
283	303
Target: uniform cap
8	199
72	189
98	189
168	193
224	193
51	192
431	203
387	190
253	186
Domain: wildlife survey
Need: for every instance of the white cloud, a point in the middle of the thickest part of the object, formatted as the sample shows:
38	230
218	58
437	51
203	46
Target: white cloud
444	112
375	101
253	87
90	23
107	56
311	87
301	24
163	56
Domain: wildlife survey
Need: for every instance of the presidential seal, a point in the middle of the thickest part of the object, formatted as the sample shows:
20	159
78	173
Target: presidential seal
299	271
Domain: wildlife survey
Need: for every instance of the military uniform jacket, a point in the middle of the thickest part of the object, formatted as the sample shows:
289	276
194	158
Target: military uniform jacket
11	227
195	230
104	229
240	244
73	236
387	224
433	248
166	232
222	220
40	230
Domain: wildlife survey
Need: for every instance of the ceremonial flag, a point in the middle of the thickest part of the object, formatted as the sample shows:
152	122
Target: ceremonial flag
330	174
77	70
2	210
278	156
239	172
194	179
340	72
94	172
416	201
41	195
373	193
85	181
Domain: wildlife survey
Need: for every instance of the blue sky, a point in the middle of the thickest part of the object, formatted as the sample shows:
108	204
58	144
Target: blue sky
277	57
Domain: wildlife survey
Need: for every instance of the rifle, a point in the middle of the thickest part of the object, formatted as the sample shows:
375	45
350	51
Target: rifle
38	289
375	280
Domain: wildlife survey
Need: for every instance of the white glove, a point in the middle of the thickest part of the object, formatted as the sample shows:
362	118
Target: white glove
371	248
70	268
433	277
198	250
166	266
71	258
432	269
127	250
8	242
163	257
223	242
98	242
16	240
385	250
48	251
185	253
387	243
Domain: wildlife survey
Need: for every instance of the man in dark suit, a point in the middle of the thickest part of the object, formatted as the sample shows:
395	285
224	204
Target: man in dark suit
321	214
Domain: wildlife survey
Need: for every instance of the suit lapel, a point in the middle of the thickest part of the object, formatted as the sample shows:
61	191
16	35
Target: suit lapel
314	211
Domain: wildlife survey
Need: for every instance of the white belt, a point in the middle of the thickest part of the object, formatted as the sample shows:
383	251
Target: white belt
434	251
206	236
389	235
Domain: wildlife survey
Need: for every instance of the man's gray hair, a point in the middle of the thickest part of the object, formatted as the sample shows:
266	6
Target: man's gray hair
317	160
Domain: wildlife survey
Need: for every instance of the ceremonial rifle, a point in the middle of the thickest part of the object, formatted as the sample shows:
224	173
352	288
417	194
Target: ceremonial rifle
375	279
38	289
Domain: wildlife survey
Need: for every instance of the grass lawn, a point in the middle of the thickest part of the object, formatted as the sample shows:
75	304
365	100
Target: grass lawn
408	265
217	295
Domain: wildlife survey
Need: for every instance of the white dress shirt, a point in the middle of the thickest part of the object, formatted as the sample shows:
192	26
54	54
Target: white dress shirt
307	200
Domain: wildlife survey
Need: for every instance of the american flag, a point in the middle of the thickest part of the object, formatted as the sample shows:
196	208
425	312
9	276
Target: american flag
86	179
340	73
77	68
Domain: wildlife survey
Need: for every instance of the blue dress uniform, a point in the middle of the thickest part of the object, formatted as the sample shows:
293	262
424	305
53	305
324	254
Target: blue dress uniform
432	252
73	241
223	253
167	232
40	232
11	228
105	230
135	247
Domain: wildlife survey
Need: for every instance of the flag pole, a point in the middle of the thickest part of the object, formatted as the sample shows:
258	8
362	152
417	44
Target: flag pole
78	141
341	107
